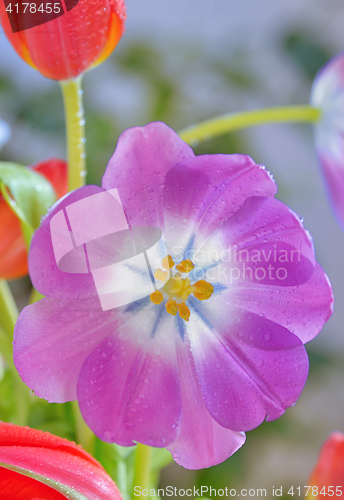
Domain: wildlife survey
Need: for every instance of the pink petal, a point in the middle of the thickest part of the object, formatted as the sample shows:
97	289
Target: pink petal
249	369
302	309
203	192
128	389
138	169
44	273
334	175
328	96
52	339
201	441
292	293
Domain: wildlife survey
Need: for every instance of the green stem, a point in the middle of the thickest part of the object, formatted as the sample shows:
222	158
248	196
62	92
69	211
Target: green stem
142	471
35	296
75	129
8	318
8	308
235	121
84	435
21	391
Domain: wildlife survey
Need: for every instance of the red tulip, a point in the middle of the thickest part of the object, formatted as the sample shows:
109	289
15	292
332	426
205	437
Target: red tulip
13	253
327	479
39	466
65	47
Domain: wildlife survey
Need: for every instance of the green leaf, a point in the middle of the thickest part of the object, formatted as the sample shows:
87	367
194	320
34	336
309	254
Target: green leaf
27	193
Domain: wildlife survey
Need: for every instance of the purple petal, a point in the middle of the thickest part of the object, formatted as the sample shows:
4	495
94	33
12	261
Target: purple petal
201	441
138	169
52	339
46	277
303	309
202	192
249	369
128	388
266	266
328	95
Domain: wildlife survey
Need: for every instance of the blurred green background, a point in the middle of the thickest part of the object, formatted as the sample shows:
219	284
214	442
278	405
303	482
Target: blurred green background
174	65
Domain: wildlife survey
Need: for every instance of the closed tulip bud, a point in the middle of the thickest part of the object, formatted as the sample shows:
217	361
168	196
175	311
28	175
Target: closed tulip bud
81	35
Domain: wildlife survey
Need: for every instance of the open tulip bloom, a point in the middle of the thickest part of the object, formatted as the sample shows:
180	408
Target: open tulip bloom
206	344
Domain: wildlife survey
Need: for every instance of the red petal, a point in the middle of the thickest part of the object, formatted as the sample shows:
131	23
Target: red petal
67	46
13	435
15	486
55	459
13	256
329	470
55	171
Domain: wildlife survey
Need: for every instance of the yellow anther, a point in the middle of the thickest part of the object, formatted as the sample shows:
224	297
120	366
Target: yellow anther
184	311
160	274
167	262
204	290
185	266
156	297
171	307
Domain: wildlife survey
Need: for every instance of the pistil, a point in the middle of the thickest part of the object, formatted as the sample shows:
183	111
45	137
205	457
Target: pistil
178	288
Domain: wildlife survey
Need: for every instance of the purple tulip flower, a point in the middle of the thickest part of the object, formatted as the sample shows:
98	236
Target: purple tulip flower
218	347
328	96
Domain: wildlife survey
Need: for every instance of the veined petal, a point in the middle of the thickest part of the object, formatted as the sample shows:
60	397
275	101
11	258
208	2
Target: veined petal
302	309
52	339
46	277
128	389
264	261
138	169
249	369
201	441
201	193
328	95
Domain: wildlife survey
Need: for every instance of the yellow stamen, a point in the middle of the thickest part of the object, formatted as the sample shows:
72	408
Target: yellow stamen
185	266
174	285
167	262
171	307
160	274
184	311
188	291
204	290
156	297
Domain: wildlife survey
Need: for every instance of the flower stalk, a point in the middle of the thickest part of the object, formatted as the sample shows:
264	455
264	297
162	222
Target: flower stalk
142	470
84	435
75	130
235	121
8	308
8	318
